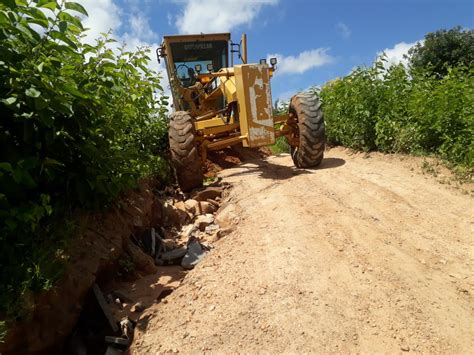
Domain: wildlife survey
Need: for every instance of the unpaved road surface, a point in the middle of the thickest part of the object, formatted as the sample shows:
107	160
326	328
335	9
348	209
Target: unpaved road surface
364	254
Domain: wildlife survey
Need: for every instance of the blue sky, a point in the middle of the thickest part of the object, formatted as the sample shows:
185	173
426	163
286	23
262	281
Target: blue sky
315	41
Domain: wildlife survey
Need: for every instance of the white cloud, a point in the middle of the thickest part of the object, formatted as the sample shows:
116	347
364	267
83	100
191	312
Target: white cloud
209	16
302	62
343	29
103	16
396	54
141	28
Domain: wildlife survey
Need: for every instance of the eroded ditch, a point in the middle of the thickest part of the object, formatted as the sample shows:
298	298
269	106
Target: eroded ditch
155	261
120	263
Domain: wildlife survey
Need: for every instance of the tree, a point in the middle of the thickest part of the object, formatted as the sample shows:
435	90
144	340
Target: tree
442	49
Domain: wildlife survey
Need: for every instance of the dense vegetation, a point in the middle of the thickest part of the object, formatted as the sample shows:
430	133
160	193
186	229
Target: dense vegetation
443	49
80	123
395	110
426	107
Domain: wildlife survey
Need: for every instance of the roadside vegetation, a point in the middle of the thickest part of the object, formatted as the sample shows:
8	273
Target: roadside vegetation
80	123
281	145
424	108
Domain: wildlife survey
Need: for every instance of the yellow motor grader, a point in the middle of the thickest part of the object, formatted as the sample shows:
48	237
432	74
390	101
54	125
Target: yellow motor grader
218	104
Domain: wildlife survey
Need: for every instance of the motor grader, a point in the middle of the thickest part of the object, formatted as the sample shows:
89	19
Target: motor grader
218	104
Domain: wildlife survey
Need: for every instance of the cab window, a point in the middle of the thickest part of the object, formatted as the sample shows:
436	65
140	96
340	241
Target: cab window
186	55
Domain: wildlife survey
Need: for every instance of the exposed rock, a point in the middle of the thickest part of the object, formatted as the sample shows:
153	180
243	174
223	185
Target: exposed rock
211	229
214	203
141	260
174	216
208	193
180	205
227	216
194	254
206	207
203	221
192	206
105	307
189	230
169	244
200	207
137	307
173	254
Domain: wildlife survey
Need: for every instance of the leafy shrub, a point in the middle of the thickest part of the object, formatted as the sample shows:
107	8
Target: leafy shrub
443	49
80	123
281	144
394	110
350	105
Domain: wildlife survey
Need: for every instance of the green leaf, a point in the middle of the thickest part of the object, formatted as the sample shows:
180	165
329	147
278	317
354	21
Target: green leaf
32	92
49	162
52	5
6	167
4	18
62	26
41	103
73	91
62	37
10	101
76	7
42	23
10	3
64	16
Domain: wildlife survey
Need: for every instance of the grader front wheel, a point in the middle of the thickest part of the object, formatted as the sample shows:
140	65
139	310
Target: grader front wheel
184	153
309	128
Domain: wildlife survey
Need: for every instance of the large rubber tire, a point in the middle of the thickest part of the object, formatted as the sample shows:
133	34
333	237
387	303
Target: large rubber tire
307	109
184	153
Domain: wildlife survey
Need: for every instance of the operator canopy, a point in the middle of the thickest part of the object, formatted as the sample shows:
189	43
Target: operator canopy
200	56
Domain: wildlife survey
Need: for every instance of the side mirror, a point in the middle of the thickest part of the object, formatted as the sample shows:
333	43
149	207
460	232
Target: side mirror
273	61
158	55
210	68
198	68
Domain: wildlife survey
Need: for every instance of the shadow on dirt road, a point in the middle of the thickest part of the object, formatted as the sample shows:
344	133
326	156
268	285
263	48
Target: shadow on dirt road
266	169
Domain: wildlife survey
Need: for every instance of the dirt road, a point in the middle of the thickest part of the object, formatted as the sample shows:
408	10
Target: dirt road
364	254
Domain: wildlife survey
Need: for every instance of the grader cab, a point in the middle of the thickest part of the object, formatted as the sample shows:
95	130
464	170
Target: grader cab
218	104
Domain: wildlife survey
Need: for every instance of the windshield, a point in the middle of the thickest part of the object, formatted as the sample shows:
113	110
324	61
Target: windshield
186	55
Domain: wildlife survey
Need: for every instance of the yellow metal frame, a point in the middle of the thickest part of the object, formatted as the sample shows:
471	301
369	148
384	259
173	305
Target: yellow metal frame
247	119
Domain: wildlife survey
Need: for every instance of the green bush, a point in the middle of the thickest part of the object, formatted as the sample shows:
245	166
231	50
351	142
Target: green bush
394	110
350	106
281	144
80	123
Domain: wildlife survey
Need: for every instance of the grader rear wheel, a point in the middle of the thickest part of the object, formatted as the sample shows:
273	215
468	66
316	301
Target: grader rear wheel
306	108
184	153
